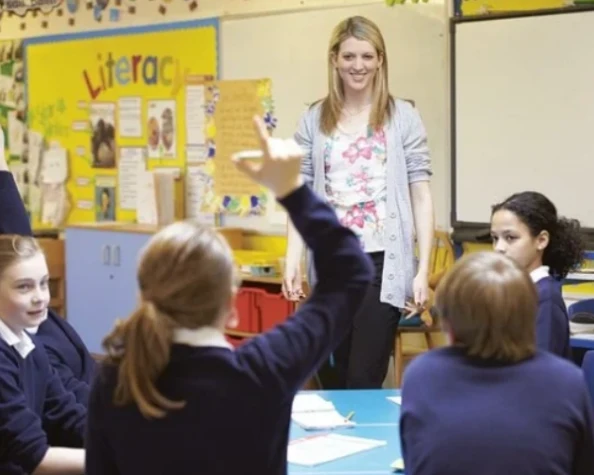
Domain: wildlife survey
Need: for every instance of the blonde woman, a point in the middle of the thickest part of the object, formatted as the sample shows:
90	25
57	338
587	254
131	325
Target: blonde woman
367	153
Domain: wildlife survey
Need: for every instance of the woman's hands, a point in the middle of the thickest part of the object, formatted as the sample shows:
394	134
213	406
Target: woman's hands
420	296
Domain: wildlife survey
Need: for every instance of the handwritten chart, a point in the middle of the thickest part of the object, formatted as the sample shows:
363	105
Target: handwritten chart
231	106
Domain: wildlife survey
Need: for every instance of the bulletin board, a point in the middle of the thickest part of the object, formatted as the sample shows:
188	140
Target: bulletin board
116	101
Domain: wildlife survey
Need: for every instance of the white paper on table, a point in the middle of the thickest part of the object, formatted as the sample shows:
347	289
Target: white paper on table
310	403
321	420
320	449
395	399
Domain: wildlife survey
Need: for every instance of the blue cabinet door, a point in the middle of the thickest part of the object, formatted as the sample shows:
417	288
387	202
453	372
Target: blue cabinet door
100	280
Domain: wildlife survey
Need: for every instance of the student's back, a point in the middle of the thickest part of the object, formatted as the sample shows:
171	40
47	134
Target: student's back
491	403
472	417
236	403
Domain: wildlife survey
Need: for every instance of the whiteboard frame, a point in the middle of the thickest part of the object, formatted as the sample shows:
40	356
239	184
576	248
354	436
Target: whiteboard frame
465	231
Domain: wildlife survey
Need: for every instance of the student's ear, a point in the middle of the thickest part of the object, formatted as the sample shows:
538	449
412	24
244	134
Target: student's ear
542	240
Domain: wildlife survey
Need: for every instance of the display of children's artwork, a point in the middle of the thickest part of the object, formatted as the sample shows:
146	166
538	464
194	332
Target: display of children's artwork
128	103
230	108
103	127
105	199
161	129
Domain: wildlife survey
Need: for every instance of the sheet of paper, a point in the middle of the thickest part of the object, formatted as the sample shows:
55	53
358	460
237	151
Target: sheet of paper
198	182
54	207
195	114
130	165
233	121
34	153
130	116
395	399
16	134
316	450
196	153
311	403
397	465
146	199
54	166
321	420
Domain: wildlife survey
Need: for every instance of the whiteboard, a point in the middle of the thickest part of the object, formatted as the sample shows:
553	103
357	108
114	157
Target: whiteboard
523	104
291	50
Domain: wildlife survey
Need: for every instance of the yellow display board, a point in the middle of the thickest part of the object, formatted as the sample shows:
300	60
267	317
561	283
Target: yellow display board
116	103
478	7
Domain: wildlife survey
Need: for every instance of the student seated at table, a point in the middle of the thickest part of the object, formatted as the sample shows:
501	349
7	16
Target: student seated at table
66	351
173	396
41	424
526	228
492	403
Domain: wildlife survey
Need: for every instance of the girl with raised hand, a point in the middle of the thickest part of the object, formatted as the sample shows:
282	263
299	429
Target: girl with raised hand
173	396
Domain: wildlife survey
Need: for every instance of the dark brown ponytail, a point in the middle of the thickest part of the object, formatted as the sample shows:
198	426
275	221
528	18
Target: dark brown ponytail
140	347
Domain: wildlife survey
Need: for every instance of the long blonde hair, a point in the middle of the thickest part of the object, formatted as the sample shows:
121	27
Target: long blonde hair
382	103
186	278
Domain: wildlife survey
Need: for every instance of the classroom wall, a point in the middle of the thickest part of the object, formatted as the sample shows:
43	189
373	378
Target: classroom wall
430	92
86	15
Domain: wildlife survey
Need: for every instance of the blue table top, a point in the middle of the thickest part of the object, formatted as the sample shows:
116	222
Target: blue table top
577	342
376	418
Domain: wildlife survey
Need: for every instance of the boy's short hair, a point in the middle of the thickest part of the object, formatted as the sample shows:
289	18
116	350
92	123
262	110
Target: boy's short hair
489	305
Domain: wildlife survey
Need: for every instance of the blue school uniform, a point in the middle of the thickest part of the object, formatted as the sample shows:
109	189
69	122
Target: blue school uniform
238	403
68	355
552	320
36	411
66	351
466	416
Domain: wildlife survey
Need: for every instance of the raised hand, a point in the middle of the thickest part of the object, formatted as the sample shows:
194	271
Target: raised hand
277	167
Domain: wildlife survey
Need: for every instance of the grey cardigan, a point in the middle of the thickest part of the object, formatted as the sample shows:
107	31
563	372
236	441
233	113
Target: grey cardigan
408	161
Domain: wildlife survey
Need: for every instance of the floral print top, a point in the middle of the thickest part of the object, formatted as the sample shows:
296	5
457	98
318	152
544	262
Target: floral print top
355	165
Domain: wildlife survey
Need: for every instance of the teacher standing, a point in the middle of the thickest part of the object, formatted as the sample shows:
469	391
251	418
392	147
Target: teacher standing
367	153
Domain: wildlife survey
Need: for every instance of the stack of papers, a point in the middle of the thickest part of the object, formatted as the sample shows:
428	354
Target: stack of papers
312	412
311	451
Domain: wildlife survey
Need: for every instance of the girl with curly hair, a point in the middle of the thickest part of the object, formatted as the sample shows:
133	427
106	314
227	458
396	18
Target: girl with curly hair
527	228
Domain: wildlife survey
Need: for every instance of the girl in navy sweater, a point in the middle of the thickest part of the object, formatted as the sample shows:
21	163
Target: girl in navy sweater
173	396
491	403
526	228
66	351
41	424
